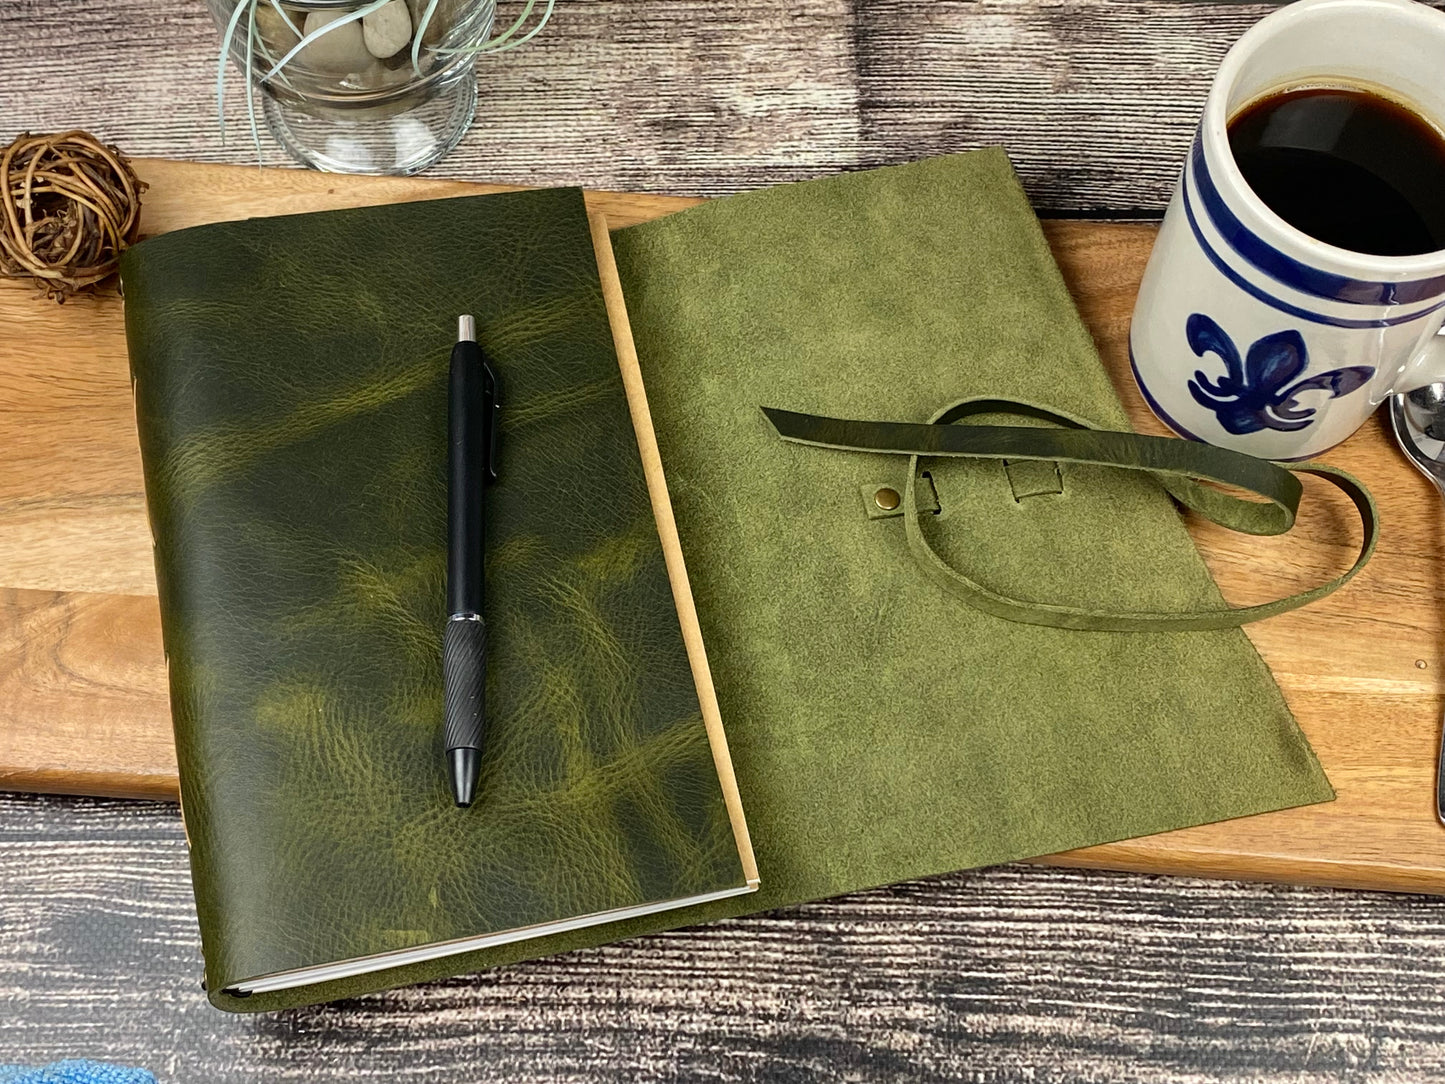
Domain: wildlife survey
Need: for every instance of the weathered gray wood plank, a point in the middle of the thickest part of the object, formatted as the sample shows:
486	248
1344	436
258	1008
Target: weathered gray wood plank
1014	973
1094	98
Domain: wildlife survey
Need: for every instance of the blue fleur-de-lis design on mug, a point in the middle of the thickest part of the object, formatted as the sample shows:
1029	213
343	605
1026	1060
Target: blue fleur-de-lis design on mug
1257	394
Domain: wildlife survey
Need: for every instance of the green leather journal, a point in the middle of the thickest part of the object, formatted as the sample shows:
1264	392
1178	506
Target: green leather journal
291	394
880	728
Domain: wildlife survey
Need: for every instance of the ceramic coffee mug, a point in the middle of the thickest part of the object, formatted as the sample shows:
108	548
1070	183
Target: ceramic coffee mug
1249	333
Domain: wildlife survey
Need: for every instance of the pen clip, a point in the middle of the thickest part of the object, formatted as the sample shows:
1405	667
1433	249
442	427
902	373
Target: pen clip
492	413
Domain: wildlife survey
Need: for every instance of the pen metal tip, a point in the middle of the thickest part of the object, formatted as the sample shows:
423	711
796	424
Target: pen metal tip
465	767
466	329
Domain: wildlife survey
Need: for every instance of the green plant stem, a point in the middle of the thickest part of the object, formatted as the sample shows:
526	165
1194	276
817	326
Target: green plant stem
286	15
522	18
500	44
528	36
226	40
416	37
251	38
350	17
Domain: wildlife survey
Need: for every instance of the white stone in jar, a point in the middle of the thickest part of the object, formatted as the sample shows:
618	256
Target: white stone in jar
387	30
341	49
276	33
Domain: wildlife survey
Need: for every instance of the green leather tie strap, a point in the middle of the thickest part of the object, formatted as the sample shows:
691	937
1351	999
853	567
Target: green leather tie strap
1181	466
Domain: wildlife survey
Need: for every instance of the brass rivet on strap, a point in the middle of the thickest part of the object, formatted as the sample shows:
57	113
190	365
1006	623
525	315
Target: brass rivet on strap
887	499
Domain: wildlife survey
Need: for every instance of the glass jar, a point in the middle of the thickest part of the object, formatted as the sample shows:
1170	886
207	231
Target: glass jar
337	103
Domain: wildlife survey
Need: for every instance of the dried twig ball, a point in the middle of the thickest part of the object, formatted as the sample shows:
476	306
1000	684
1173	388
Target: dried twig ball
70	207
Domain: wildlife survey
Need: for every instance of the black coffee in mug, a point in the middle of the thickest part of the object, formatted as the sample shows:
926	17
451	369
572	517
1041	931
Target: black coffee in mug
1347	167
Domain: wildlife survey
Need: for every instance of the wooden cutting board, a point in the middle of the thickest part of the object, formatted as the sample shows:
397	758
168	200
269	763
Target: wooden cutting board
83	704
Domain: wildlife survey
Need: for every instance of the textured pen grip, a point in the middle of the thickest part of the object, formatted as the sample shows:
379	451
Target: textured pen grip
464	680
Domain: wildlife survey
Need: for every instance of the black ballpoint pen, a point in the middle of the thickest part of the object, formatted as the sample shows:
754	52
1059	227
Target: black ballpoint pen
472	407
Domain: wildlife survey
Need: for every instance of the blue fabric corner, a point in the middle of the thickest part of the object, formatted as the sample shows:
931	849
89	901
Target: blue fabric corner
75	1072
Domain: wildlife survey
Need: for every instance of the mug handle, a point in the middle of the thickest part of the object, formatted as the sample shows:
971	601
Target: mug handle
1428	367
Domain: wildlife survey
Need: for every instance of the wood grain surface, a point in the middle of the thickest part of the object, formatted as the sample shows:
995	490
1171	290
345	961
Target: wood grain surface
1015	974
1009	974
86	710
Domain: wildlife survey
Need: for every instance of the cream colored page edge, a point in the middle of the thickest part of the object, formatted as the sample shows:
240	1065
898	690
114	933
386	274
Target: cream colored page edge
667	532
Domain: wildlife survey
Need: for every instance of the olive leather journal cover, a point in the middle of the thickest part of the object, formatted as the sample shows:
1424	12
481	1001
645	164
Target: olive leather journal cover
880	729
291	394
